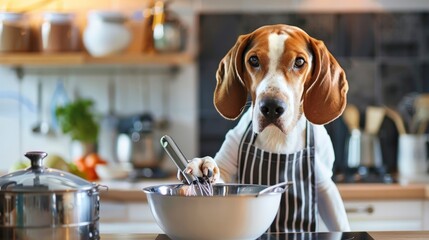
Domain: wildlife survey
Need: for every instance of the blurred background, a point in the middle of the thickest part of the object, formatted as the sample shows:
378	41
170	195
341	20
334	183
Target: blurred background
148	69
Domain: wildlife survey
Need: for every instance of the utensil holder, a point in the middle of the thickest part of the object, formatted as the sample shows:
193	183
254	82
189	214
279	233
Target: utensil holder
413	155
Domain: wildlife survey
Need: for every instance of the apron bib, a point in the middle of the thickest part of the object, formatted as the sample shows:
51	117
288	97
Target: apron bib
298	209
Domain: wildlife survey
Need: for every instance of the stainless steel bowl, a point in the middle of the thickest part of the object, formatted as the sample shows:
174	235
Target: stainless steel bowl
233	212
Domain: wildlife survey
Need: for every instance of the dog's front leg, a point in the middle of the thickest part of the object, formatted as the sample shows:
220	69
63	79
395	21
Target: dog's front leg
204	167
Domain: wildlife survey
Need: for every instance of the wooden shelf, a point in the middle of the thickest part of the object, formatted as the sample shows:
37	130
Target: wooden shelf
77	59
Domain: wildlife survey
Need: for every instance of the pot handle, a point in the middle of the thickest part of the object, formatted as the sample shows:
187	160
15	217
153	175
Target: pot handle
98	186
5	185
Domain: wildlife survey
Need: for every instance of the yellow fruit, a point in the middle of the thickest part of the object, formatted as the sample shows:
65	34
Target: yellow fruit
56	161
74	170
19	166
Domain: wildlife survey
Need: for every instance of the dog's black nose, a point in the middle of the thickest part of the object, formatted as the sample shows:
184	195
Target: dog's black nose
272	108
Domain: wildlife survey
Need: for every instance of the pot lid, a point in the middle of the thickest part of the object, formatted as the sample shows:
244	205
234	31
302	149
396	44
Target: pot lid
38	178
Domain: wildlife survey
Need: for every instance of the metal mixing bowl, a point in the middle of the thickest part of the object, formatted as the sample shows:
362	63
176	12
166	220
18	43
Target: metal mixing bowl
233	212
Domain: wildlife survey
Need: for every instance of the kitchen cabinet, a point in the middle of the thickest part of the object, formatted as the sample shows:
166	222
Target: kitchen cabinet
426	215
386	207
385	215
130	217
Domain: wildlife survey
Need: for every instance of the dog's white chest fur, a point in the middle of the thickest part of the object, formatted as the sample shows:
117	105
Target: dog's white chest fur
274	140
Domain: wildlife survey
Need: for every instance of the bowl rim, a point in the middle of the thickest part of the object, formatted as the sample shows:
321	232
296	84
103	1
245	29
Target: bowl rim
280	190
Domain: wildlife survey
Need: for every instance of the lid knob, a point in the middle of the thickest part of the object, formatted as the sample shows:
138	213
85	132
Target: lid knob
36	158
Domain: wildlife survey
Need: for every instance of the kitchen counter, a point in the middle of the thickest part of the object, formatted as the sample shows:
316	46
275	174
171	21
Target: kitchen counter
380	191
375	207
132	191
414	235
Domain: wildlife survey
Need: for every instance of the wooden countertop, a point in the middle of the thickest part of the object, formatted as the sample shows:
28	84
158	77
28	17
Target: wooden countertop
414	235
411	235
383	191
132	192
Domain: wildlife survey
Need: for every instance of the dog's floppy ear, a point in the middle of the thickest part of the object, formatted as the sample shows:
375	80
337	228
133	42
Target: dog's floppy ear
230	94
325	91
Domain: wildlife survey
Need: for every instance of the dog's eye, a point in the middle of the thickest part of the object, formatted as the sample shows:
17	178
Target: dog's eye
299	62
254	61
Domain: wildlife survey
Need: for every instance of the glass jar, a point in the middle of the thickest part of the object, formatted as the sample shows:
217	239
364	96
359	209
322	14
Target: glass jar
168	31
106	33
58	33
14	32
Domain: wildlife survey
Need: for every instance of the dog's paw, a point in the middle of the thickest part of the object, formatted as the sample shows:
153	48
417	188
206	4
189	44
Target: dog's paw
204	167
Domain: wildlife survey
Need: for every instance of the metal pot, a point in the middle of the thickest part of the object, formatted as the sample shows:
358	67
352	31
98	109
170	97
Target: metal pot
235	211
46	202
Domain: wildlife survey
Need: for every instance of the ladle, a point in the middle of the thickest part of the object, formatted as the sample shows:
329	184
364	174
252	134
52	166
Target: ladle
41	127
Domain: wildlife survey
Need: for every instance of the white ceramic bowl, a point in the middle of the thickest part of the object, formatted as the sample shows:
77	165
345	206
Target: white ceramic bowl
111	171
233	212
106	33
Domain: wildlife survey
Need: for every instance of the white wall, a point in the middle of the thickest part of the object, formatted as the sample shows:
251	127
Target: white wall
166	95
138	88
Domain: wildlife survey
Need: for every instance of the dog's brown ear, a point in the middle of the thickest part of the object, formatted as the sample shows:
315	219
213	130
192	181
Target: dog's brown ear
230	94
325	91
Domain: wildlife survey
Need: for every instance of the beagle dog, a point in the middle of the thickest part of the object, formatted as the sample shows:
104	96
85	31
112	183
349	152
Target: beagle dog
292	80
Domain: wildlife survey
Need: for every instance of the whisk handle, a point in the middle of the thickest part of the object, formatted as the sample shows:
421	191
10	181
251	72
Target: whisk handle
177	156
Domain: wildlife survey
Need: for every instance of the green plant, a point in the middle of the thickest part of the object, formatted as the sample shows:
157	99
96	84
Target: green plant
77	119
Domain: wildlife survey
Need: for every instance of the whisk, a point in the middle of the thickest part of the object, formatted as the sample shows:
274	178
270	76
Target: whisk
197	186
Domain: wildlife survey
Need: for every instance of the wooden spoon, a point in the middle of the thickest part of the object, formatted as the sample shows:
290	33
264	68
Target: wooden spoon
374	118
421	117
351	117
397	119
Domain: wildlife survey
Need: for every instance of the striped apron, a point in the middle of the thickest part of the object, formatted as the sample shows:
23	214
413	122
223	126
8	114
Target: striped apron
298	209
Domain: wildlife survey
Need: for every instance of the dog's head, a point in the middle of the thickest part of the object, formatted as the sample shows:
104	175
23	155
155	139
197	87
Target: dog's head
286	72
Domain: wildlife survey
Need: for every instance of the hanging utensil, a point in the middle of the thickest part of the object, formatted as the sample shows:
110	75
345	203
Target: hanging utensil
108	135
59	98
41	126
163	122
